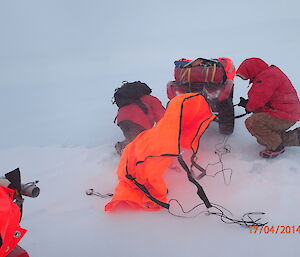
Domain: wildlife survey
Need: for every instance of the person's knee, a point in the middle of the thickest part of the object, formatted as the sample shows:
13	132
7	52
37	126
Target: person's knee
250	125
256	123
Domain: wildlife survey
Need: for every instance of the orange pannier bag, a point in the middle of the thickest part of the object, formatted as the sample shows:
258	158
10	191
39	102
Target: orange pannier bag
228	66
145	160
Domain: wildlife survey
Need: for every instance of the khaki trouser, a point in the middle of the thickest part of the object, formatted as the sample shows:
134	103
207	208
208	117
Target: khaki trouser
267	129
291	138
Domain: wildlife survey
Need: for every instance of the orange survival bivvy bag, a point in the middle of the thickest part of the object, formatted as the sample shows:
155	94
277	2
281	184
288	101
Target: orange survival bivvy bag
145	160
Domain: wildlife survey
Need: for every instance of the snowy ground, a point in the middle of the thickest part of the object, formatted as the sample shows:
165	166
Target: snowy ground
59	64
63	221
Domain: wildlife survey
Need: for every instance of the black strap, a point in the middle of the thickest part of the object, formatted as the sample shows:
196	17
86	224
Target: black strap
197	166
200	190
145	190
240	116
162	155
141	104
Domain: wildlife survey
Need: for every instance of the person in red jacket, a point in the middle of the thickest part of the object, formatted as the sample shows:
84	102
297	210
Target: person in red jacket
10	230
274	103
138	116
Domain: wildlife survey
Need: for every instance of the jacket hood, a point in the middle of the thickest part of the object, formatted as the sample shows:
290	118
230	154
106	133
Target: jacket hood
250	68
185	119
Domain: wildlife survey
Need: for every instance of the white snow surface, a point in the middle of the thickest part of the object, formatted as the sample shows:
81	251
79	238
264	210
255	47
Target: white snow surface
60	62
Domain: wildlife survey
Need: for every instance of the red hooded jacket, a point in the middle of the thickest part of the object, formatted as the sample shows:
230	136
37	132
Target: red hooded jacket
272	92
10	230
134	113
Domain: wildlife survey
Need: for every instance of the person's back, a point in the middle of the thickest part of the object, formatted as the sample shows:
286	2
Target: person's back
143	113
281	96
135	113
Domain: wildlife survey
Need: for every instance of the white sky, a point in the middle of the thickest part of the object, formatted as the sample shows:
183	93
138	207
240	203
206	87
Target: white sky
60	61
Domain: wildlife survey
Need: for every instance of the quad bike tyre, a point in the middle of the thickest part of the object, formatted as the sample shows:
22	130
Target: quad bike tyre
225	110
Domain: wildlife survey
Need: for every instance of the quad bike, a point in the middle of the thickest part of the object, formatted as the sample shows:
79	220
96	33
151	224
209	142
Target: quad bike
11	208
212	78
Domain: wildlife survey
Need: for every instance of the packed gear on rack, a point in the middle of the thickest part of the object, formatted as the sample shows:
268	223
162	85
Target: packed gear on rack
213	78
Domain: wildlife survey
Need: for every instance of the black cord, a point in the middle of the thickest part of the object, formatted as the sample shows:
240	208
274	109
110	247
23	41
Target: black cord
183	211
220	150
242	222
221	213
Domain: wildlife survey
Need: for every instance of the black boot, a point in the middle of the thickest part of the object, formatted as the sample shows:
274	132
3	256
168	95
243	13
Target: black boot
268	153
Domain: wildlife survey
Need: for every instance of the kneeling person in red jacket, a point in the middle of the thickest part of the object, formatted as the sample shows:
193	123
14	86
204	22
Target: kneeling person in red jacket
275	106
138	110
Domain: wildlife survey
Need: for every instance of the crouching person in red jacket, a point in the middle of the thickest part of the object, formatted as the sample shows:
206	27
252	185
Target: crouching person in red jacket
275	106
138	111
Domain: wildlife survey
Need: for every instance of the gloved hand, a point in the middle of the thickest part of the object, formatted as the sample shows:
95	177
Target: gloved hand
119	146
243	102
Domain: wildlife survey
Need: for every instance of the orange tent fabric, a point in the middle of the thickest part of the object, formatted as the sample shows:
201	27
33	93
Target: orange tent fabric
147	157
